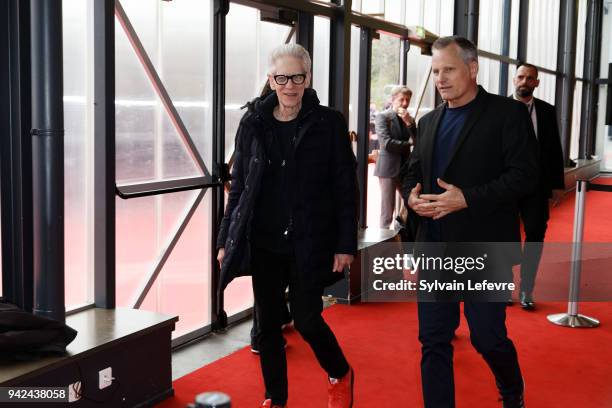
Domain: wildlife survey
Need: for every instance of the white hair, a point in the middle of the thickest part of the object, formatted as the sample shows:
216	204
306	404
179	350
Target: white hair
290	50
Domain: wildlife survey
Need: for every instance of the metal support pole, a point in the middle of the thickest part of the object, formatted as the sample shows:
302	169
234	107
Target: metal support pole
523	29
472	20
590	89
340	50
104	158
566	63
48	158
221	8
572	318
404	49
363	122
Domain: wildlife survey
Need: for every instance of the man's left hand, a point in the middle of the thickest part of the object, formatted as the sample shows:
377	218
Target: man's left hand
342	261
443	204
557	195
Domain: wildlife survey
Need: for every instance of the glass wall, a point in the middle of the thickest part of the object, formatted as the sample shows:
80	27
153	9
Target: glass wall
488	74
166	234
385	75
77	17
490	25
421	83
434	15
320	58
543	33
547	89
581	37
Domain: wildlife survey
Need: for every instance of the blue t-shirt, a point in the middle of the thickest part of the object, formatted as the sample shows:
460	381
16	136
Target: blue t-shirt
450	127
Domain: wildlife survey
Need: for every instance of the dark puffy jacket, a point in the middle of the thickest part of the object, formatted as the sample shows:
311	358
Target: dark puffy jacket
325	189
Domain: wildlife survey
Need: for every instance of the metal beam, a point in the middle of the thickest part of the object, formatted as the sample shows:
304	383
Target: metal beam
472	20
340	50
221	8
590	90
104	154
566	63
305	31
460	18
363	121
129	191
523	30
48	158
319	8
404	48
466	19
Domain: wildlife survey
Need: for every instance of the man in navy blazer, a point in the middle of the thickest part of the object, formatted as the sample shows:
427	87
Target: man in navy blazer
534	209
473	162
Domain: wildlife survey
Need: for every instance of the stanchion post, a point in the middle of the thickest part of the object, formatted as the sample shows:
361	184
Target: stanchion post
572	318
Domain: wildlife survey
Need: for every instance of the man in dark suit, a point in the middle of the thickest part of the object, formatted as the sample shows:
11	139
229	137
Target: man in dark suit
534	208
473	162
396	133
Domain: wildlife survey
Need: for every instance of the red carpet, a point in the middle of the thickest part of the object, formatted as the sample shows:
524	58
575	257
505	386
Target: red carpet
562	367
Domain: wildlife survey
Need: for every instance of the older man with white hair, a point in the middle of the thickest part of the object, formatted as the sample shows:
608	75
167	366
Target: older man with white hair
291	219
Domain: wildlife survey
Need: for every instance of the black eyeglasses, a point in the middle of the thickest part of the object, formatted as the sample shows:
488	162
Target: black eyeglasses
297	79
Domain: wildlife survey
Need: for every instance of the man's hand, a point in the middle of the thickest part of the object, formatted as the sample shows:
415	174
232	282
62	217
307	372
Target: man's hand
443	204
221	255
342	261
405	116
414	202
557	195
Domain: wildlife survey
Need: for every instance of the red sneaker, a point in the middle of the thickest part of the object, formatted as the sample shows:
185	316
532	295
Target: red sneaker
268	404
340	391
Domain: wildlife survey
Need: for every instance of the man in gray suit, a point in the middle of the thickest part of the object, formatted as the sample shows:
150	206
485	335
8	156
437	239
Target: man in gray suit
396	131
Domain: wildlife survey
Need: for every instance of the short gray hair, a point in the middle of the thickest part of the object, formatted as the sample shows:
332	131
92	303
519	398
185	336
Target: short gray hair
400	89
468	51
290	50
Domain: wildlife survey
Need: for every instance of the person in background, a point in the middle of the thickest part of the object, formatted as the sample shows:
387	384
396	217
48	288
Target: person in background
291	220
396	131
533	209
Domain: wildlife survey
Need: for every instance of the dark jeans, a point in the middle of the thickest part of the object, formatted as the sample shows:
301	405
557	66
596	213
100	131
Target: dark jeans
487	322
255	329
534	213
271	275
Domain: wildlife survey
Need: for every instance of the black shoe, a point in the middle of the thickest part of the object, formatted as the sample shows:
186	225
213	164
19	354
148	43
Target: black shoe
513	402
526	300
509	302
255	348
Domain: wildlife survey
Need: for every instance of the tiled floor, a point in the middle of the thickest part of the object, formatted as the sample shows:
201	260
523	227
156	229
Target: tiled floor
209	349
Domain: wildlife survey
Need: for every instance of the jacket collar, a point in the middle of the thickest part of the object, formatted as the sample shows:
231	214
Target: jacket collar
264	106
478	106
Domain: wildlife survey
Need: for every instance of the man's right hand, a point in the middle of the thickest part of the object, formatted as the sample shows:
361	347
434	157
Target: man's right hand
414	201
221	255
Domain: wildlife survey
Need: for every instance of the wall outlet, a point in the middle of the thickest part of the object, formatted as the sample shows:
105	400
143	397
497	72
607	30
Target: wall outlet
106	377
74	392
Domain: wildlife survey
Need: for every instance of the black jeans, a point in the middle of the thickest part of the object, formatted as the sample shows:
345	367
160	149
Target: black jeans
534	213
271	274
255	328
487	322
